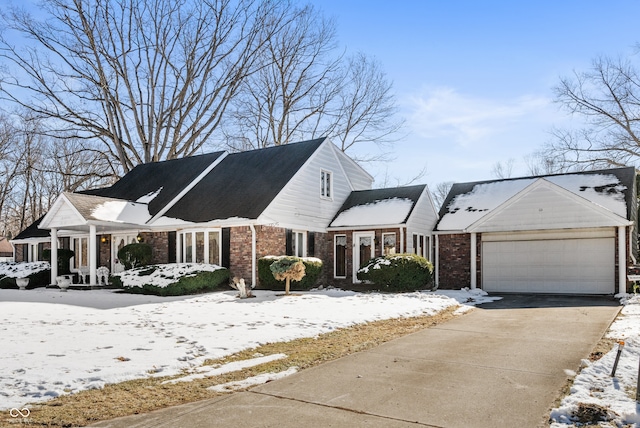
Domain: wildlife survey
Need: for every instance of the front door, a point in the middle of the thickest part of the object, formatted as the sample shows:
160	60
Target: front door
364	250
117	242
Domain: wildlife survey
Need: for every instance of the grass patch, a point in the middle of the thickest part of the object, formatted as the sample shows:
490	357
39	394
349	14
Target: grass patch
144	395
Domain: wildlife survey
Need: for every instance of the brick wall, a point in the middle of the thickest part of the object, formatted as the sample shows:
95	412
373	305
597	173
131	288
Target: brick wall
159	242
240	252
454	261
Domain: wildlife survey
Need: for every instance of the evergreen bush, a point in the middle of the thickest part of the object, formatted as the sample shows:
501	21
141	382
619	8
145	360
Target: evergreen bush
135	255
64	258
398	272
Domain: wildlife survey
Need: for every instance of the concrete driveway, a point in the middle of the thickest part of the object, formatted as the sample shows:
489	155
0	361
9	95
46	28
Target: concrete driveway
502	364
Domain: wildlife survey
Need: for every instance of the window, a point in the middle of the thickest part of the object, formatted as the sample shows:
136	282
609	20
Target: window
81	256
325	184
388	243
340	256
201	246
421	245
298	247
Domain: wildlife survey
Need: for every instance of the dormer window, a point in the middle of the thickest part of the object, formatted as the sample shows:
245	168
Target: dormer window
326	190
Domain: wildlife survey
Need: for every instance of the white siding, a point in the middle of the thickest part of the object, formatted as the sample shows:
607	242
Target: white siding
300	204
544	208
65	216
422	220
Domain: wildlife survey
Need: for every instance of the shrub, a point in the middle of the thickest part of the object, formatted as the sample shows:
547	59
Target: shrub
135	255
64	257
39	274
312	266
398	272
171	279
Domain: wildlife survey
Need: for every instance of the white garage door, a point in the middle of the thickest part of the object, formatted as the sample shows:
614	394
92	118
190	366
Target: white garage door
585	266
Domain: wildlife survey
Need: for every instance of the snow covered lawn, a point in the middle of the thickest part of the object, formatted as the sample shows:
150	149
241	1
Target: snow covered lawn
595	387
55	343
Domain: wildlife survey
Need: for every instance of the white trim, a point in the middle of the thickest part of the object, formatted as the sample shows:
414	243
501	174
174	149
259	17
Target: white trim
335	263
356	251
324	173
622	261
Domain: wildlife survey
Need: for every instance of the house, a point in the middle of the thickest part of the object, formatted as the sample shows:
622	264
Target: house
230	209
6	250
565	233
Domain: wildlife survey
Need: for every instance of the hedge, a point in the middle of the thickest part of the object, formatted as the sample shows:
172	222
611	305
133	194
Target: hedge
37	279
313	268
192	283
398	272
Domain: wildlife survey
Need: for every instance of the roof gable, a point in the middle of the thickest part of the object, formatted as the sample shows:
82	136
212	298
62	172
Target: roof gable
467	203
378	207
243	184
545	205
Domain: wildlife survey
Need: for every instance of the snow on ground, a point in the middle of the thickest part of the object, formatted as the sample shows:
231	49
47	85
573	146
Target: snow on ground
57	342
595	385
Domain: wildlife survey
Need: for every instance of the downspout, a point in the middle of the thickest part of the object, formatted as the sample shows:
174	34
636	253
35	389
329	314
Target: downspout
253	255
474	255
622	261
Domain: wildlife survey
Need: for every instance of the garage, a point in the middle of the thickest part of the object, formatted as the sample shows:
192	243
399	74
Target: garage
533	263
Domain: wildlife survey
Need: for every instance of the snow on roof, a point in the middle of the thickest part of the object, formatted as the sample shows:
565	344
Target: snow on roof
387	211
149	196
467	208
602	189
121	212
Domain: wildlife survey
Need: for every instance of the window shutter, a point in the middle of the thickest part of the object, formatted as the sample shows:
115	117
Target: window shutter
171	251
226	247
289	239
311	244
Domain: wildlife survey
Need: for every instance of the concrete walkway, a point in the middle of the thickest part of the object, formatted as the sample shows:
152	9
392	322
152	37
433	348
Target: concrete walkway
503	364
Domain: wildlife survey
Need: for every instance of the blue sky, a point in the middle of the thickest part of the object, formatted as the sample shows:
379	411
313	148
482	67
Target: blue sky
474	79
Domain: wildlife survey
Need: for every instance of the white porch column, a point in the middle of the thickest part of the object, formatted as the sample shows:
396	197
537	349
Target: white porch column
474	254
402	249
622	261
437	260
54	256
93	256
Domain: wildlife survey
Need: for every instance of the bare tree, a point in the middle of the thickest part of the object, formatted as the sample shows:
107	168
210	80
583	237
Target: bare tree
503	170
608	97
150	79
440	192
307	88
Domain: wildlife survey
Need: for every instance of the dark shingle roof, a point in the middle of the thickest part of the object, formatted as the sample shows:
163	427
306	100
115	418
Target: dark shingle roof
32	231
172	176
368	197
244	183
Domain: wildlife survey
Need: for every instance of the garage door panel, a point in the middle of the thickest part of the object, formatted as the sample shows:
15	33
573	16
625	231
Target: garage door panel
549	266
